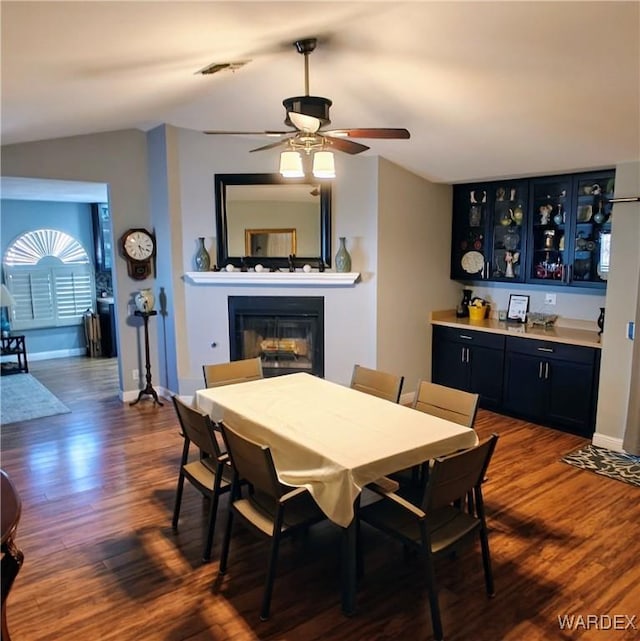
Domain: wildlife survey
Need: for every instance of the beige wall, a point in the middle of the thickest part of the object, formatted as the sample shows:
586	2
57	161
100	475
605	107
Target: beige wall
619	366
414	239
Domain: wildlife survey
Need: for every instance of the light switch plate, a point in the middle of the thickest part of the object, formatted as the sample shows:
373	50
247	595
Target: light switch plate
549	299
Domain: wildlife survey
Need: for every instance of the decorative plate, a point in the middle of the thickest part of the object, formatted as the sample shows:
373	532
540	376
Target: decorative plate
472	262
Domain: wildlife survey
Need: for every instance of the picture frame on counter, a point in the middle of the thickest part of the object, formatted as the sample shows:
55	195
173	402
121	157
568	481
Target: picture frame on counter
518	308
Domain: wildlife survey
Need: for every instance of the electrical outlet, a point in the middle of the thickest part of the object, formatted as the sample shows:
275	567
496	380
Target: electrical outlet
131	308
549	299
135	375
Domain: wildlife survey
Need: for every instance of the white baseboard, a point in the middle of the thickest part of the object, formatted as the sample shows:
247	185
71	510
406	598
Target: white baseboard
60	353
614	444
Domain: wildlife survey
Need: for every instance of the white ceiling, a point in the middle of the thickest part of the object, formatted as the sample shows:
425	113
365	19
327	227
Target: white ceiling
487	89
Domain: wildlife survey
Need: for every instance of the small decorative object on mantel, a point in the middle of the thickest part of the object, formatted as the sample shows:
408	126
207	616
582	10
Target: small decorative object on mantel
229	267
292	263
306	268
259	268
144	300
201	259
343	258
600	321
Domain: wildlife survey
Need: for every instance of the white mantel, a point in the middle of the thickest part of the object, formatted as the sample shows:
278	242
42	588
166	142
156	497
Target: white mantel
274	279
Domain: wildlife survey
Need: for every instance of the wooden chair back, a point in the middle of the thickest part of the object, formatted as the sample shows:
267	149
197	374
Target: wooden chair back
247	369
446	402
454	476
253	463
377	383
198	429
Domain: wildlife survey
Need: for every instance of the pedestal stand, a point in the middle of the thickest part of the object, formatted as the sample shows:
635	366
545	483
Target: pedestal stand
148	390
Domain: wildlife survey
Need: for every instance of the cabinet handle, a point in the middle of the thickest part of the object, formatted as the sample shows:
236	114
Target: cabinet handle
468	352
462	354
545	349
546	371
540	369
467	338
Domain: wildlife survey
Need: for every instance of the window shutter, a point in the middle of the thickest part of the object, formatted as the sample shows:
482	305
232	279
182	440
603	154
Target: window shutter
74	294
33	292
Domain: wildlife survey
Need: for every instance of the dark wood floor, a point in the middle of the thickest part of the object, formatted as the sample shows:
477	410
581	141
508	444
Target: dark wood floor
101	561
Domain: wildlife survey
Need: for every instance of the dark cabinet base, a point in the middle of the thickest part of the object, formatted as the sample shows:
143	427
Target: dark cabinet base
549	383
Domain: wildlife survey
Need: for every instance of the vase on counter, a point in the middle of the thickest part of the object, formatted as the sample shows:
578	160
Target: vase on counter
462	311
144	300
600	321
201	259
343	258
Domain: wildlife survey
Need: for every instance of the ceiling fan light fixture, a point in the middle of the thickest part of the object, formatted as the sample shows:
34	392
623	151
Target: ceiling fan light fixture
291	164
324	165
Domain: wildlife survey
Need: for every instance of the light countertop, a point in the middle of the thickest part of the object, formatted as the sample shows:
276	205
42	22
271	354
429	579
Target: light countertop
558	334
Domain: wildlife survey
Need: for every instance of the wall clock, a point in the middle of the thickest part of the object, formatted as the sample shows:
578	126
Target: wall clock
138	248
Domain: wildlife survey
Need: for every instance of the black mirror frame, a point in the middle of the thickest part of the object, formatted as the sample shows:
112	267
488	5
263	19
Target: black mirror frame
222	181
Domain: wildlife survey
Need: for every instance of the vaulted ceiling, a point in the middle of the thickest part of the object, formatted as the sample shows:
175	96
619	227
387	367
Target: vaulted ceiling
487	89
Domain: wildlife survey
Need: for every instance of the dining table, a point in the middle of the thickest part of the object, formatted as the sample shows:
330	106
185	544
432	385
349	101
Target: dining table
332	440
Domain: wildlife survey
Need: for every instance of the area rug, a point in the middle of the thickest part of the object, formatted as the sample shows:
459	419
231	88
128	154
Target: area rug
615	465
23	397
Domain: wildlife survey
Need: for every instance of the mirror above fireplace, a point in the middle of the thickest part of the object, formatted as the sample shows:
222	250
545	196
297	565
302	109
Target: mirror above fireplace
271	204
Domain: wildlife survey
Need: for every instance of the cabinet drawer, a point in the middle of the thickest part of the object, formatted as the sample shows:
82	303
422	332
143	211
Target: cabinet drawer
468	337
551	350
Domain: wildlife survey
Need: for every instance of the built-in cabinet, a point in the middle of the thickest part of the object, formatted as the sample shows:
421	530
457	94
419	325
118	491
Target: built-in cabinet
537	230
470	361
547	382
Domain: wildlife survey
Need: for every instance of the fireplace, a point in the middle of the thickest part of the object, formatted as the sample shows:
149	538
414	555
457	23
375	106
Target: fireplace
286	332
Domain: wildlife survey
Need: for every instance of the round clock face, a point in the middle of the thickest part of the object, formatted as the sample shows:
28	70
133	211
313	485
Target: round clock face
138	245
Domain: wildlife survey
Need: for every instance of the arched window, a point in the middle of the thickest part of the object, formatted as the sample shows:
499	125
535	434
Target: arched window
51	278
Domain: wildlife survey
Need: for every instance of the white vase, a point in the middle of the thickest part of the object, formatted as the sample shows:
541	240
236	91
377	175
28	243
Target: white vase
144	300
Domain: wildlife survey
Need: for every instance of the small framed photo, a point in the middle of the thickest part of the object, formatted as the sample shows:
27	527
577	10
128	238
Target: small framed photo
518	308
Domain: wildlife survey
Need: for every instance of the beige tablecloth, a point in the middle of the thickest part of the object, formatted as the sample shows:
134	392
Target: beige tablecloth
331	439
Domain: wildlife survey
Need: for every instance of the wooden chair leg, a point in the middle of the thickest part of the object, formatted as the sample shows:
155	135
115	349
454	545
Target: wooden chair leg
436	621
176	509
271	570
224	553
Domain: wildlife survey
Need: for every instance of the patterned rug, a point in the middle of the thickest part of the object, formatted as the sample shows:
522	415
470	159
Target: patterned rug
615	465
23	397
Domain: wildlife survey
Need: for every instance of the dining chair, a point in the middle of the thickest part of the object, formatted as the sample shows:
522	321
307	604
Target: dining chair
210	473
439	523
246	369
446	402
269	508
377	383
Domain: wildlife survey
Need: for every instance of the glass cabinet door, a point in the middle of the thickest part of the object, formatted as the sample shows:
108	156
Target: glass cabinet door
508	230
590	255
551	229
469	251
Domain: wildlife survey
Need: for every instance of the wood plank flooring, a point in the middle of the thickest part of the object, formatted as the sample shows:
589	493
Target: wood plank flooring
102	563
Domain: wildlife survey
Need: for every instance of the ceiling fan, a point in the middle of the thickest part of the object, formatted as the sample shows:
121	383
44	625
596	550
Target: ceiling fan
309	114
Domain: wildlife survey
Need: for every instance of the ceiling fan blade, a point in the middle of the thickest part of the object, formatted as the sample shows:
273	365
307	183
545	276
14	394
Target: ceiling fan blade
271	146
249	133
348	146
375	132
305	123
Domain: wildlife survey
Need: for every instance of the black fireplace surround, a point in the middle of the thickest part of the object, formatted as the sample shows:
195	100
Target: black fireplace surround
286	332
